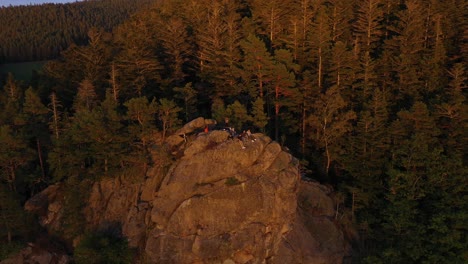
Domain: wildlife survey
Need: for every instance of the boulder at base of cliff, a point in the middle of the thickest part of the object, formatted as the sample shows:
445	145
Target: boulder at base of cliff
38	255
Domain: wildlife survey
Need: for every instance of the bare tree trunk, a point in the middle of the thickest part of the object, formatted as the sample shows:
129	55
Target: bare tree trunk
319	73
303	139
328	156
115	87
277	107
11	178
55	114
39	153
260	82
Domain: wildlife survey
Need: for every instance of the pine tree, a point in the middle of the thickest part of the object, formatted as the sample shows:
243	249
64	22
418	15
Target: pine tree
109	139
35	117
66	158
168	115
297	28
259	117
329	122
286	96
368	31
88	62
13	155
452	112
255	69
113	81
86	98
137	60
341	68
238	116
320	45
13	222
234	34
436	55
139	66
271	16
218	47
211	42
55	107
218	110
365	158
141	115
341	13
309	93
188	96
10	100
408	46
172	31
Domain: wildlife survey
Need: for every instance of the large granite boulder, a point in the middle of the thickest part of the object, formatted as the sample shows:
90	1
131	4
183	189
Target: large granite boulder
192	127
221	201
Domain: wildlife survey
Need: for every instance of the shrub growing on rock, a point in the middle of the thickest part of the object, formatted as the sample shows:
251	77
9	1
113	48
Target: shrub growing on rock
103	248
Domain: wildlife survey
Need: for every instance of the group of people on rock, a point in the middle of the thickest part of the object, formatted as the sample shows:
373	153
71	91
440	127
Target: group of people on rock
242	137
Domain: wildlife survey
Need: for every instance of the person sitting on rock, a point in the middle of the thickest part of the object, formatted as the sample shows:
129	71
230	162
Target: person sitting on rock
242	144
241	138
232	133
250	136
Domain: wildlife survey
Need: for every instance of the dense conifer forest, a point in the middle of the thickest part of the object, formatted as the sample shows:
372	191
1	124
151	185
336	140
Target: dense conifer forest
370	95
41	32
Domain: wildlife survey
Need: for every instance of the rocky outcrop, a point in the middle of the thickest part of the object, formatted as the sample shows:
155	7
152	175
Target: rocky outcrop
221	202
217	203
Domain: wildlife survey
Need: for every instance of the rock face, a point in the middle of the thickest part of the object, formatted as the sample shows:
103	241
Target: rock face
314	237
217	203
221	202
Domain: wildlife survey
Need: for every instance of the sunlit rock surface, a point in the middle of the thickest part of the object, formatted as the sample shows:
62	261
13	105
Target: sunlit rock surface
221	201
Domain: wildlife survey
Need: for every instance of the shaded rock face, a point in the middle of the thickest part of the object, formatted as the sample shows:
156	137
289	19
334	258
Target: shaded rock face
218	203
38	254
314	237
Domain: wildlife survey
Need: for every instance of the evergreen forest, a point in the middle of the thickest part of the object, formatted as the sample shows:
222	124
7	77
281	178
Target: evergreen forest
369	95
41	32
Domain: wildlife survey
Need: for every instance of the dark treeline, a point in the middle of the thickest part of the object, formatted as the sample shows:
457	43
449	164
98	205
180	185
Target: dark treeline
41	32
369	94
